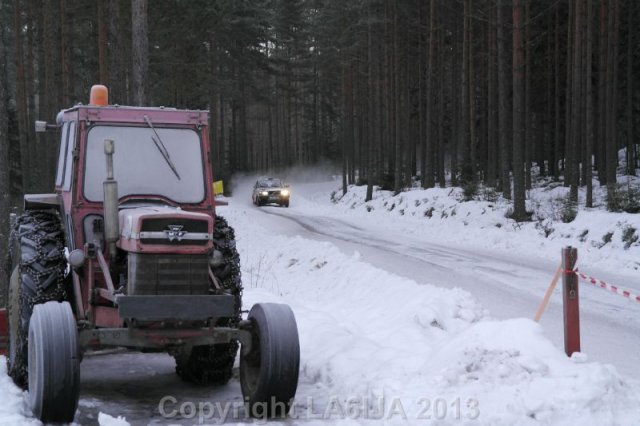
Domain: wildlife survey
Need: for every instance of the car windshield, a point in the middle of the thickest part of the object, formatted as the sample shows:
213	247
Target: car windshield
140	168
270	183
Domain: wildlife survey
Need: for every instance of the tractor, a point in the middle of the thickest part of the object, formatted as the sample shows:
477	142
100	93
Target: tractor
128	252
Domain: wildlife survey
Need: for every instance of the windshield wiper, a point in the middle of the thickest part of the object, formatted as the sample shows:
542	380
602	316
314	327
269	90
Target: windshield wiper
161	147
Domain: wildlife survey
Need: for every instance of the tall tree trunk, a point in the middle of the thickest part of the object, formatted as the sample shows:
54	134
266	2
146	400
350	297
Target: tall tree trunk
547	145
572	168
213	102
568	134
51	93
370	108
102	43
492	134
612	80
422	100
428	180
454	140
140	50
441	108
351	126
603	76
397	110
589	118
21	99
631	154
503	130
465	141
345	125
115	67
65	56
528	139
31	80
381	128
471	86
519	211
5	187
557	132
222	141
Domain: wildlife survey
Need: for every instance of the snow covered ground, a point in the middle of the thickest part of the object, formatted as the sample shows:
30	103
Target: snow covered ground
380	343
609	241
368	333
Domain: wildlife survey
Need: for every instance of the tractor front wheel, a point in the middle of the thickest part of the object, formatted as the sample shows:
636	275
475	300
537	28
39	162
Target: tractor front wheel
54	363
269	372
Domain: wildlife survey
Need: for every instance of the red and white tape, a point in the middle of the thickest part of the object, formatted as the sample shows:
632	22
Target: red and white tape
612	288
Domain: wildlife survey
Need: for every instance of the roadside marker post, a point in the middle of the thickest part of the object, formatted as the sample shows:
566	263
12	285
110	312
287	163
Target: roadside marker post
570	301
571	295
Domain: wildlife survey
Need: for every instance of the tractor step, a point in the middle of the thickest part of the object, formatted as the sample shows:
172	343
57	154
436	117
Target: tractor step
4	332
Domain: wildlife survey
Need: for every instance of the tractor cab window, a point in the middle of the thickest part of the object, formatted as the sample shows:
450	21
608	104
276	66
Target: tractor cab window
62	153
68	164
141	167
65	157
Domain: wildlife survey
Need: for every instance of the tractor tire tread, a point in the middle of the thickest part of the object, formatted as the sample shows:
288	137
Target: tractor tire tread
39	238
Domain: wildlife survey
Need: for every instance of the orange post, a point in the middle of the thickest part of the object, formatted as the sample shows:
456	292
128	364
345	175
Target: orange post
547	295
570	301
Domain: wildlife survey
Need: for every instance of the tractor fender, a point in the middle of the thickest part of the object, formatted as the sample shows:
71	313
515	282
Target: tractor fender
42	201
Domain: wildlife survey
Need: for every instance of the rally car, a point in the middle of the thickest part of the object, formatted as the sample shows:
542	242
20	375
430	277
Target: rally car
269	190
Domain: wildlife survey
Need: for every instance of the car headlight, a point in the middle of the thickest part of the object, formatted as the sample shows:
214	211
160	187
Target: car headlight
284	192
264	193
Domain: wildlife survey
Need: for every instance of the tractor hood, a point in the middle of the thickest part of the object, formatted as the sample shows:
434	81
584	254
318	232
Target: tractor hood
164	229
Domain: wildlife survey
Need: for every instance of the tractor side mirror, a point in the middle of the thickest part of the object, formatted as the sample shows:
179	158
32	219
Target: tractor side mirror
41	126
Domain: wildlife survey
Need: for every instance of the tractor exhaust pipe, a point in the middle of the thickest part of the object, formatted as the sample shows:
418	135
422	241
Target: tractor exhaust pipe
110	187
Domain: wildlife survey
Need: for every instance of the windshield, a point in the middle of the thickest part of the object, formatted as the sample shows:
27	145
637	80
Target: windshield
270	183
140	168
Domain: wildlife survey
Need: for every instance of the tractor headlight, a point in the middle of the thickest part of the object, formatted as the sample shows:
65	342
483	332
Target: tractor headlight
265	193
284	192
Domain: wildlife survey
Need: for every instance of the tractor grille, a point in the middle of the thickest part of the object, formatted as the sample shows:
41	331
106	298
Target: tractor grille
162	224
168	274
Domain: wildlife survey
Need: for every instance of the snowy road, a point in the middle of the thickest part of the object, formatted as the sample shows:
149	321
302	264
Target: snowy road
509	286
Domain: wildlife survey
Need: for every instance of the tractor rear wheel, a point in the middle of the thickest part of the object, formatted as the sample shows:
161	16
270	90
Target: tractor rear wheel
54	363
269	372
37	252
213	364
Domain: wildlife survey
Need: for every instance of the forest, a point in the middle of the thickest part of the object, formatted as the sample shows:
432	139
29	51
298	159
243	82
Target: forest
394	93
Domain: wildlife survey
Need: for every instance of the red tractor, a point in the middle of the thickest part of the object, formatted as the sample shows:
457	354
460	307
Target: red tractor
129	252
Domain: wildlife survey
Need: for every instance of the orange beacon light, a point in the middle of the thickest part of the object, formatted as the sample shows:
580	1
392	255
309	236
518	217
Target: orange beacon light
99	95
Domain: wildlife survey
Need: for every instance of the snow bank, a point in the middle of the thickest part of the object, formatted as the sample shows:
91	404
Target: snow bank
14	409
607	241
107	420
421	352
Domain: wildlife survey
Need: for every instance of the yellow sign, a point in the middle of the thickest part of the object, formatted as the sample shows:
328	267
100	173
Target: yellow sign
218	187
